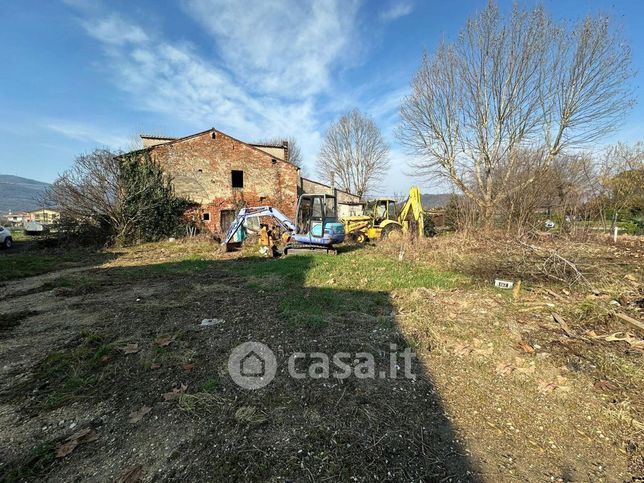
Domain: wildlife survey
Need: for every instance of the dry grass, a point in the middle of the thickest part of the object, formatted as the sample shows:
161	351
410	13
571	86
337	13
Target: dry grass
503	392
495	344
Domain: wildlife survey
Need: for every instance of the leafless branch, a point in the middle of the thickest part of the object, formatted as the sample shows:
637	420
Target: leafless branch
354	154
511	84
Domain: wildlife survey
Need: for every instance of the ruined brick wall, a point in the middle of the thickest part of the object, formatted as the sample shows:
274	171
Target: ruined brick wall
201	167
310	186
348	203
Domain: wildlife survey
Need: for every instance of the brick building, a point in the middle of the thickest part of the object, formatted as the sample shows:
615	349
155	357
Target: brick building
222	174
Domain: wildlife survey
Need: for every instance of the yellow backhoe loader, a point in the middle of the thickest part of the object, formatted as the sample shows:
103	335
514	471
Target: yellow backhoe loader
382	221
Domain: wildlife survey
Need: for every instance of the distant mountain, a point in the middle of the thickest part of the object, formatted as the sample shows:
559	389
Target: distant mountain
20	194
430	201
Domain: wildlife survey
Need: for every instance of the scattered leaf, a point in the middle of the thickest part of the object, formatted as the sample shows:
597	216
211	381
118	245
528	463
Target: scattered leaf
527	370
132	475
504	368
605	385
546	387
86	435
526	347
66	448
130	349
462	349
188	366
516	291
484	351
165	341
175	393
136	416
625	337
155	365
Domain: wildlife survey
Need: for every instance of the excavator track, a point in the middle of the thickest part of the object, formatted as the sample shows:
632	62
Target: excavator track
300	248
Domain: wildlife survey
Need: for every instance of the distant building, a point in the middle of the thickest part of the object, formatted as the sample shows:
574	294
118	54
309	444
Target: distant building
46	216
17	218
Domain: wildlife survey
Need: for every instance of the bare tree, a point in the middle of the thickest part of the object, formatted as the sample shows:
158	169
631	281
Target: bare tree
620	181
353	154
123	199
507	84
294	151
90	191
557	190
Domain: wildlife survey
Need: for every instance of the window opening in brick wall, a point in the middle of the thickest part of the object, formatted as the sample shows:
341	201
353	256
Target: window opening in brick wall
237	179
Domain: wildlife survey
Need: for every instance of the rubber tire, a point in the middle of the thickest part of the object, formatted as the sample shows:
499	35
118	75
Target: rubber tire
8	242
389	229
360	238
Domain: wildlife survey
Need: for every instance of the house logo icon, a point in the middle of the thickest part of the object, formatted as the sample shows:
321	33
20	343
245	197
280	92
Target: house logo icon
252	365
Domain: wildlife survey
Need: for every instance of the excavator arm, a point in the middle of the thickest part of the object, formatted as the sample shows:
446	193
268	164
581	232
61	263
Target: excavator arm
412	212
258	211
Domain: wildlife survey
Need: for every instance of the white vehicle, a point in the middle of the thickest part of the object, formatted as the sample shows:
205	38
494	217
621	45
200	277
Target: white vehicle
5	237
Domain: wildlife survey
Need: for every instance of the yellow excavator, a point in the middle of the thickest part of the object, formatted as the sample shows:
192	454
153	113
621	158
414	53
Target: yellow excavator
382	221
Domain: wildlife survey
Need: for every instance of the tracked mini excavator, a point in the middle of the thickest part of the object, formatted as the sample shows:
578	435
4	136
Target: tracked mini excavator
381	221
316	228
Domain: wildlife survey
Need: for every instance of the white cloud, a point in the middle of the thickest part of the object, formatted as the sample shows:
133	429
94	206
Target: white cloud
286	48
271	72
88	133
397	10
275	63
115	30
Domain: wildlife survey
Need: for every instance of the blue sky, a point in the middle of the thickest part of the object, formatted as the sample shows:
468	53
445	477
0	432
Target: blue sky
78	74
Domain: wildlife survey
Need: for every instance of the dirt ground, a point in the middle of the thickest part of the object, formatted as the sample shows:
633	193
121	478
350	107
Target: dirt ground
107	373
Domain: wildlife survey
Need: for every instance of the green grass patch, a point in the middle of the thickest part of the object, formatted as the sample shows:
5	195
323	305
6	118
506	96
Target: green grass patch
37	262
376	273
316	288
210	386
65	376
19	235
311	306
355	270
70	286
12	319
20	266
32	465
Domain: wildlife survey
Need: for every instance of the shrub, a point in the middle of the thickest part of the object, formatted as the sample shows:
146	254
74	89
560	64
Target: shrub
150	209
106	199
